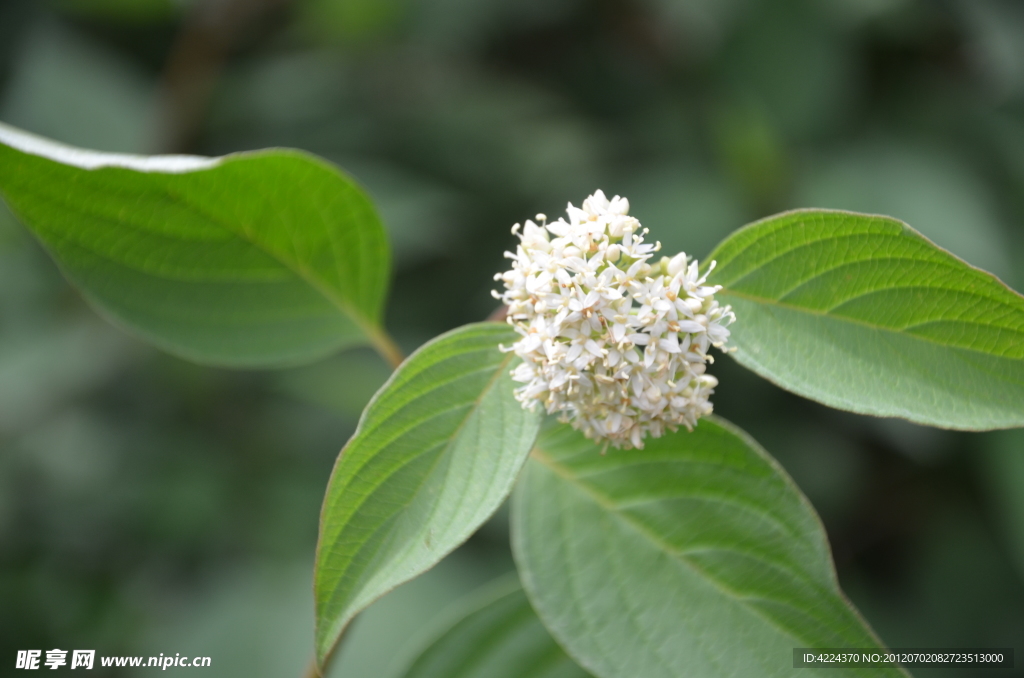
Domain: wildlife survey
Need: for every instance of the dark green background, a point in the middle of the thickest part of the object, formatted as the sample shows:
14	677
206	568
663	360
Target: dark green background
148	505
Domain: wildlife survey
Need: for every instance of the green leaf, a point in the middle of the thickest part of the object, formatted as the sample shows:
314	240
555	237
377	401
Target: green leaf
497	635
435	454
865	314
695	556
264	258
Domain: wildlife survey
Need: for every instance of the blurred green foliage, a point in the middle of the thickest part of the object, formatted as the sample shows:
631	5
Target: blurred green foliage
148	505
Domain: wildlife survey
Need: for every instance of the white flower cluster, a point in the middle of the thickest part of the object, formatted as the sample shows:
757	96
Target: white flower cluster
615	344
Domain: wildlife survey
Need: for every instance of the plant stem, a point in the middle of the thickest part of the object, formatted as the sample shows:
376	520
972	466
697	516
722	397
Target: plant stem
387	348
499	314
313	671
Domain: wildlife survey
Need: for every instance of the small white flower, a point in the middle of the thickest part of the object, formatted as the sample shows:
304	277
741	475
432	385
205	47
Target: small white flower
615	345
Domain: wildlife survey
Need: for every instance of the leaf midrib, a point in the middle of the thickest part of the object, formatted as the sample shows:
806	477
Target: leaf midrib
631	610
543	457
410	424
368	326
365	324
495	636
704	496
862	323
399	379
772	226
375	420
473	407
807	244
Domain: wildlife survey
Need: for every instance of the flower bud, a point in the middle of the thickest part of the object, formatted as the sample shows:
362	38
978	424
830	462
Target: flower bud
677	264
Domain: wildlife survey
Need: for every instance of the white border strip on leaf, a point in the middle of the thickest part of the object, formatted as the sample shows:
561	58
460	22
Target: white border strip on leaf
77	157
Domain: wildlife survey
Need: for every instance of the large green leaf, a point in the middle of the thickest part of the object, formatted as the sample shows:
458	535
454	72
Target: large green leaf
695	556
436	452
261	258
498	636
865	314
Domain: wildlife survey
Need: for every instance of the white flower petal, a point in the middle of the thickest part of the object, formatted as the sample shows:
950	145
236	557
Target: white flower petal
619	354
690	326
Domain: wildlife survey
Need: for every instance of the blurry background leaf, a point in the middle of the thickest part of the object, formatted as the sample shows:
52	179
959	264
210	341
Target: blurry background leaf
803	79
698	553
353	21
1003	464
69	360
932	192
259	620
258	259
689	209
342	384
435	455
496	635
418	214
391	630
963	580
61	71
753	152
862	313
997	42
